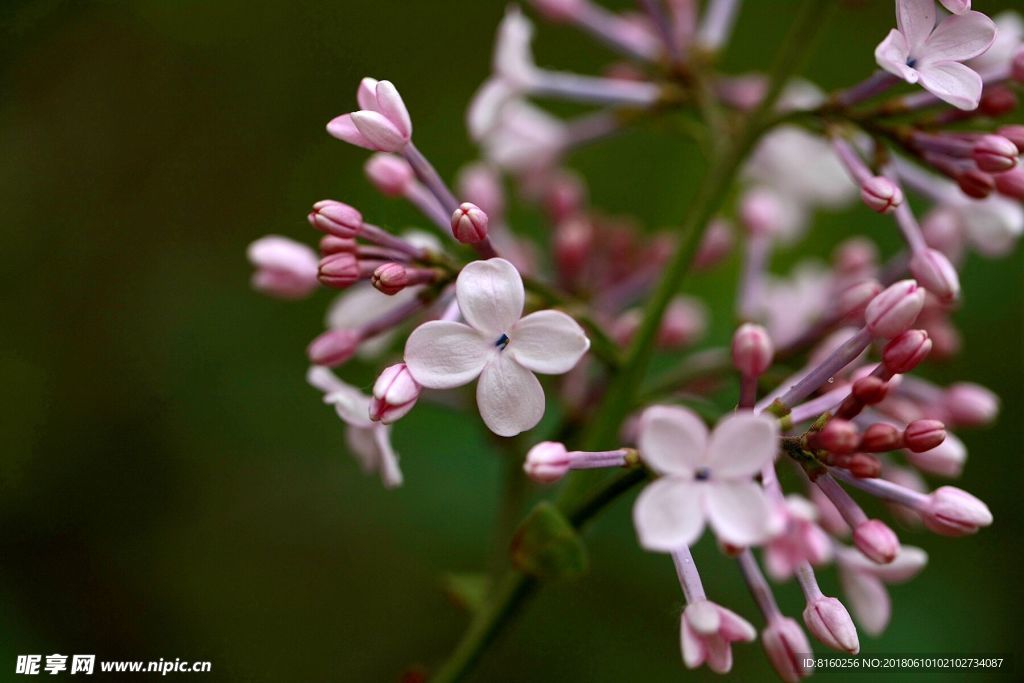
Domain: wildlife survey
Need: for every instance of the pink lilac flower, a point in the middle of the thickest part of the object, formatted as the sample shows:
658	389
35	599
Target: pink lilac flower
284	268
497	345
707	631
382	123
705	478
919	51
801	540
863	583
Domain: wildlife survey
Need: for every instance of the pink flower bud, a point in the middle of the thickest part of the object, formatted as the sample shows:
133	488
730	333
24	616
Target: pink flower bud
336	218
829	621
944	230
953	512
1014	133
877	541
894	310
285	269
331	244
994	154
390	278
854	300
924	435
573	240
971	405
881	194
752	350
1011	183
870	390
560	11
469	224
333	347
855	256
881	437
761	212
1017	65
787	648
860	465
715	246
946	460
481	184
905	352
997	101
976	183
564	196
394	394
934	271
547	462
837	436
685	320
390	174
339	270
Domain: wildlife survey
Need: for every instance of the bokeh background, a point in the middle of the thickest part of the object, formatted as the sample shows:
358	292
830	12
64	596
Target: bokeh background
171	487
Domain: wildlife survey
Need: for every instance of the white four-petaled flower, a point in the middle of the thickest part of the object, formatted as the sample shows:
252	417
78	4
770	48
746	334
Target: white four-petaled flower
918	50
705	478
497	345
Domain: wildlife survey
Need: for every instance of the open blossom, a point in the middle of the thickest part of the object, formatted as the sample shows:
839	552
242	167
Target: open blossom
704	478
497	345
707	632
863	582
369	441
284	268
382	124
918	50
801	540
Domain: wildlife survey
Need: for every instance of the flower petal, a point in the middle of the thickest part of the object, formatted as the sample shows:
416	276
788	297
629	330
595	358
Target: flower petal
673	440
892	55
691	644
734	627
390	104
719	654
379	131
509	396
490	295
390	474
958	39
669	514
549	342
952	82
742	444
738	511
366	94
915	19
344	128
868	600
442	354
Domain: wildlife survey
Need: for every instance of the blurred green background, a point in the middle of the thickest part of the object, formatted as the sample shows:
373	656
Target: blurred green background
171	487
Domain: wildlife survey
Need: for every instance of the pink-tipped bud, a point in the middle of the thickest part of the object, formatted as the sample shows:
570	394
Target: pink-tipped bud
547	462
905	352
829	621
860	465
559	11
1011	184
880	438
761	212
389	173
995	154
924	435
894	310
881	194
855	256
971	405
390	278
394	394
854	300
976	184
1017	65
870	390
1014	133
752	350
787	649
946	460
285	269
997	101
838	436
876	541
331	244
684	322
339	270
934	271
333	347
953	512
336	218
469	224
943	230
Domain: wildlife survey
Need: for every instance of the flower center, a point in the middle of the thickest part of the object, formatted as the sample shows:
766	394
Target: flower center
912	62
702	474
502	342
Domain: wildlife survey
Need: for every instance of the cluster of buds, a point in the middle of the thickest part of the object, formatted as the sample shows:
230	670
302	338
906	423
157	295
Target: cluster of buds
480	302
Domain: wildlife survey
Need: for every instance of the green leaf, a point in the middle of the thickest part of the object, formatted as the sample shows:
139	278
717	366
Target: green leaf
547	546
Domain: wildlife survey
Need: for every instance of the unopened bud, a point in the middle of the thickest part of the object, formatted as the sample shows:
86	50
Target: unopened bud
876	541
336	218
946	460
995	154
870	390
684	322
332	244
860	465
559	11
333	347
837	436
829	621
976	183
761	212
934	271
924	435
787	647
953	512
855	256
881	194
1011	184
547	462
905	352
339	270
854	300
971	405
752	350
997	102
880	438
390	278
389	173
469	224
394	394
894	310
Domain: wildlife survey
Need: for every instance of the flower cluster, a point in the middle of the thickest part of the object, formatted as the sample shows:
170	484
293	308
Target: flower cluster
823	359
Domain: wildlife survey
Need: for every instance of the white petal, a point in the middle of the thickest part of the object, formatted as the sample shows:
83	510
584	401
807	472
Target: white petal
669	514
868	600
344	128
908	564
509	396
549	342
387	462
958	39
366	94
360	442
379	131
490	295
443	354
673	440
915	19
739	512
323	379
742	444
484	111
352	406
390	104
691	644
952	82
892	54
